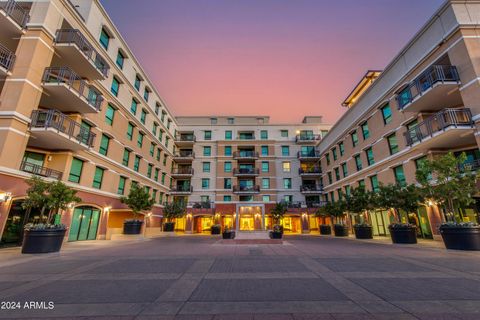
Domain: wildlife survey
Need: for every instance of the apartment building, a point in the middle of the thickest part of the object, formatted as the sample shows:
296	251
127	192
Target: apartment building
426	102
232	170
76	106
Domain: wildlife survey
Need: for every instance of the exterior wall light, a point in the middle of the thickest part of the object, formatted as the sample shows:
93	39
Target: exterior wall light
5	196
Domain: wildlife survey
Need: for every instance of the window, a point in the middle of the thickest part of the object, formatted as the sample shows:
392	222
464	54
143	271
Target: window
358	162
165	157
288	198
334	154
109	114
126	157
265	166
164	175
228	151
386	114
155	176
354	136
361	183
207	135
265	183
213	120
158	154
136	164
163	116
337	174
347	191
146	94
157	108
154	195
205	183
365	131
206	166
97	178
143	116
115	86
160	135
264	150
370	158
287	183
75	170
341	147
285	151
227	183
227	198
169	122
154	128
344	169
230	120
420	162
137	82
264	134
105	141
149	170
374	183
266	198
121	185
167	139
327	157
120	59
339	194
228	135
104	38
286	166
160	198
284	133
400	176
140	139
133	106
130	131
207	151
227	166
330	180
392	143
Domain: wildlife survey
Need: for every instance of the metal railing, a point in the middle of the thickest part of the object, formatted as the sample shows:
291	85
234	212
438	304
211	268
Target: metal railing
308	154
313	170
307	137
184	154
246	189
246	171
184	189
185	138
425	81
439	122
7	58
74	36
246	136
40	170
16	12
311	188
182	171
245	154
308	204
315	204
469	165
201	205
53	119
65	75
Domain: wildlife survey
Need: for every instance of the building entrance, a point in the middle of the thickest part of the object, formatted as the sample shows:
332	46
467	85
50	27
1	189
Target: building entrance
250	218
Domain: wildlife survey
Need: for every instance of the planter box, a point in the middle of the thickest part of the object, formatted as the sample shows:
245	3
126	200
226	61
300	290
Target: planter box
275	235
42	241
404	235
461	238
363	232
340	230
325	229
215	230
228	235
132	227
169	226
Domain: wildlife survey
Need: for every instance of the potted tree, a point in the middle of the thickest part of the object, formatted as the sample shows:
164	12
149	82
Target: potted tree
337	210
50	197
215	229
171	211
138	200
359	202
277	212
228	233
447	181
324	212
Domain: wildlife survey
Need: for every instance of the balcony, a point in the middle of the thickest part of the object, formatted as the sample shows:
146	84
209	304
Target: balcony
184	156
311	189
246	189
248	155
40	170
184	140
246	172
246	136
54	130
308	155
315	204
68	92
447	128
182	172
310	172
75	51
7	59
13	18
307	138
434	87
181	190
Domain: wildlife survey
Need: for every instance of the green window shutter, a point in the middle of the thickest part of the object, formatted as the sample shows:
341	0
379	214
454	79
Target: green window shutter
126	157
104	145
133	106
149	170
97	178
75	170
130	131
109	115
121	185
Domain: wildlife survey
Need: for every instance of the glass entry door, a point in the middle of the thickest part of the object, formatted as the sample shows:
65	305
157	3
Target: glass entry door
246	222
84	224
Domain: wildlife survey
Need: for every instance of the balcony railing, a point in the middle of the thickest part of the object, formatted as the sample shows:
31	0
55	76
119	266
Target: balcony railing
246	189
182	171
306	171
201	205
40	170
184	154
13	10
246	137
425	81
7	58
307	137
439	122
308	154
246	171
74	36
185	138
66	76
181	189
311	188
308	204
52	119
245	154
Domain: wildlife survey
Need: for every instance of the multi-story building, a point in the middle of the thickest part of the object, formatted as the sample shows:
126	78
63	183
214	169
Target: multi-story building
232	170
426	102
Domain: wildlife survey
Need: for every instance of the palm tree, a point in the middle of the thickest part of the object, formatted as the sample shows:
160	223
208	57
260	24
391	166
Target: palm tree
278	211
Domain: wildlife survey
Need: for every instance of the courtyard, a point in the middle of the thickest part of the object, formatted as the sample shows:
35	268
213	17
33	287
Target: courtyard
198	277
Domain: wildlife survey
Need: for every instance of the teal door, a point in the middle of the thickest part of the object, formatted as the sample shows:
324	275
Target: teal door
84	224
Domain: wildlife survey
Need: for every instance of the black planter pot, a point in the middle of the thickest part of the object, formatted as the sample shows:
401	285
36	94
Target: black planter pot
215	230
363	232
325	229
404	235
169	226
42	241
461	237
340	230
132	227
276	235
228	235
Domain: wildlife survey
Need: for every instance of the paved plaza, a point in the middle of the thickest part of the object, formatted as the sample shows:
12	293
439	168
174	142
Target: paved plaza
197	277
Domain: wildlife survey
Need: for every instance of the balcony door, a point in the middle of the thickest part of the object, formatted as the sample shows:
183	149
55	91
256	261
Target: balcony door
84	224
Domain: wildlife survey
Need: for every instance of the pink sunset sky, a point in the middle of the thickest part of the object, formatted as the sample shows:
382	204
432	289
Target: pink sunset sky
283	58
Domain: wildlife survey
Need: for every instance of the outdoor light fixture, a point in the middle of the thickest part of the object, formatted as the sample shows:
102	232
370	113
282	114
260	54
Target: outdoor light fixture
107	209
4	197
71	205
